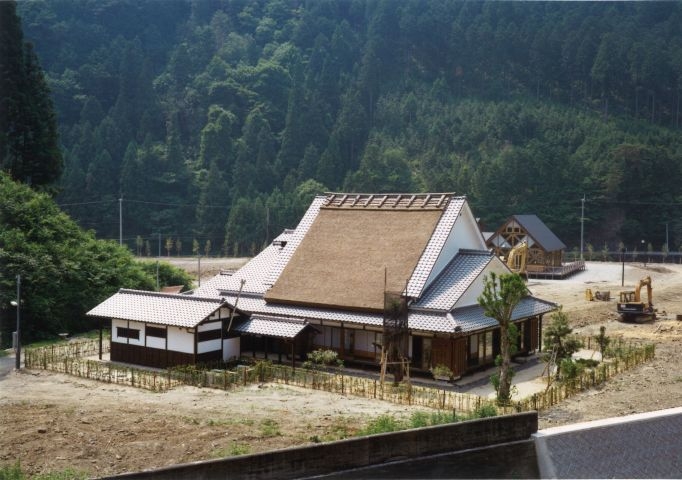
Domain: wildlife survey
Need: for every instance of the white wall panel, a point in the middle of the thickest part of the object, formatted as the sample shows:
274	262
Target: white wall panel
231	348
180	340
208	346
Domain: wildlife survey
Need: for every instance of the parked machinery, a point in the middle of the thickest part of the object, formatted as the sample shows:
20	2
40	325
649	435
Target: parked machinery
631	307
517	257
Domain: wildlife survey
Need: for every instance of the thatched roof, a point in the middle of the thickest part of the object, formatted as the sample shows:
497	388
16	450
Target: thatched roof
344	257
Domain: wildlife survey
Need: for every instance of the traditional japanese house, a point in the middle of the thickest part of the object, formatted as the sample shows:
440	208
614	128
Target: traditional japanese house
330	282
332	273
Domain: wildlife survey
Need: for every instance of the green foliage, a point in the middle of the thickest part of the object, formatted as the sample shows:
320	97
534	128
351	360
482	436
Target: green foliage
64	271
169	275
501	294
570	369
269	428
486	410
29	147
441	370
232	106
382	424
557	339
14	472
603	341
322	358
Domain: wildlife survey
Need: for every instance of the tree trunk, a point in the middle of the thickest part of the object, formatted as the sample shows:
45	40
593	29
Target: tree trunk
504	391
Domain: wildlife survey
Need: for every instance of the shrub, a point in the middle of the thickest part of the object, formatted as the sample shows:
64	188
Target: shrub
441	370
381	424
322	358
485	410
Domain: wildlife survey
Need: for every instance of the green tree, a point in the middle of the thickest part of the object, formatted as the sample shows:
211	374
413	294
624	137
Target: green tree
29	145
557	340
501	294
65	271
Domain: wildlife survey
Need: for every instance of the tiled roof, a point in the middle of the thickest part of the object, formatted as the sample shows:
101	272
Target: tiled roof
431	322
473	318
158	308
254	274
468	319
444	292
433	248
272	327
256	304
294	240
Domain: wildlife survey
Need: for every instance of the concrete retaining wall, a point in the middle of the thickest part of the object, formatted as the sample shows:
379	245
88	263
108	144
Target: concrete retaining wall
361	452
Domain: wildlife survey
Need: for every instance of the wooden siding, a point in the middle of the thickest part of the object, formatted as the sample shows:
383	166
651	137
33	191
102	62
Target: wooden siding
157	358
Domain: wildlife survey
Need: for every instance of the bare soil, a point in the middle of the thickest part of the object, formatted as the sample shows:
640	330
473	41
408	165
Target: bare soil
51	422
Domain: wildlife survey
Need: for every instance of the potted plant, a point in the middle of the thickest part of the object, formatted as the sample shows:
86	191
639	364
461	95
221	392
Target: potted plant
441	372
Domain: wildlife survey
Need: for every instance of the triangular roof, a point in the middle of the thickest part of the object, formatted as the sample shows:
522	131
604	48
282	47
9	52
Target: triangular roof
540	233
351	248
447	277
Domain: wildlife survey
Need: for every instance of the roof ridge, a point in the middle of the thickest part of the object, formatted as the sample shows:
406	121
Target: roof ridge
170	295
388	201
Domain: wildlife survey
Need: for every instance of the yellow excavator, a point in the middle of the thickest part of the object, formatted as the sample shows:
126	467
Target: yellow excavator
631	307
516	259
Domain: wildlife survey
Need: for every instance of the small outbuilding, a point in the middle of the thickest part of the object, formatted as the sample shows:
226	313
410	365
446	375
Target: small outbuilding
164	330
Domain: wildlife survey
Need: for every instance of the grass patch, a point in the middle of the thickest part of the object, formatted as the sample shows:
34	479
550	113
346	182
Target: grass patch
3	353
14	472
233	450
269	428
420	419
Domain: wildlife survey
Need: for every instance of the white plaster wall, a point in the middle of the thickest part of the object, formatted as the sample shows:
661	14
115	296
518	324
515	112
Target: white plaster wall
204	327
115	323
156	342
137	326
179	340
470	296
465	234
231	348
209	346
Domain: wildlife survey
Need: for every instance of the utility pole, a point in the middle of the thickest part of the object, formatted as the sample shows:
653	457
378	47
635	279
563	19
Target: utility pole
17	363
582	226
157	264
120	220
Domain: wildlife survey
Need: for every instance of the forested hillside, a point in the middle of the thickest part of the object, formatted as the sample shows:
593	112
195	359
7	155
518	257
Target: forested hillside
215	121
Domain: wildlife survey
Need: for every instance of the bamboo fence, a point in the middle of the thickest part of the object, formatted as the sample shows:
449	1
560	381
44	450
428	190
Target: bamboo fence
69	359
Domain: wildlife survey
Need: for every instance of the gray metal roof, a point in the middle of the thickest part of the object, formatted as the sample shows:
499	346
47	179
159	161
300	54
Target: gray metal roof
421	273
455	279
272	327
159	308
542	235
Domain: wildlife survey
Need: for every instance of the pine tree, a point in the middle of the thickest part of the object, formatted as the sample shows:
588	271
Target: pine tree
29	147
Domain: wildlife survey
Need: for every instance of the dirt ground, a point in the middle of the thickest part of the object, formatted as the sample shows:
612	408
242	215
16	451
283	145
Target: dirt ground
51	422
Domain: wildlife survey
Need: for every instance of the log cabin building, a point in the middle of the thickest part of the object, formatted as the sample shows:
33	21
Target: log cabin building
545	256
324	285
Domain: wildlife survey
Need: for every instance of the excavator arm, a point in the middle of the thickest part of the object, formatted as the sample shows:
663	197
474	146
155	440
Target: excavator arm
516	260
632	308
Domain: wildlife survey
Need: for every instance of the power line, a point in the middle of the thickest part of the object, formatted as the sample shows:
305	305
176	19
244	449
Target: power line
145	202
86	203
